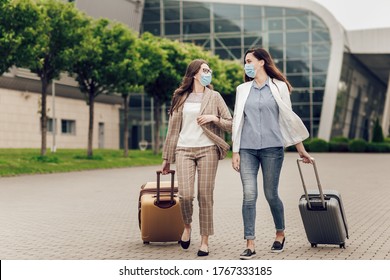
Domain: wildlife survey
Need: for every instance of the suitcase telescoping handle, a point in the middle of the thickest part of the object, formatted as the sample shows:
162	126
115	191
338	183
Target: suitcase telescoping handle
172	185
318	182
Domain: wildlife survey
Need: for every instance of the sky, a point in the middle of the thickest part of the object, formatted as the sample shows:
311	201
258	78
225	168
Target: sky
359	14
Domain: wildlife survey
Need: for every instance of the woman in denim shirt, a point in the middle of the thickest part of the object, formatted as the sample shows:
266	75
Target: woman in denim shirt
263	125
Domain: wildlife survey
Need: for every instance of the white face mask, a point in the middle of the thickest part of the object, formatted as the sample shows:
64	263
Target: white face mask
250	70
205	79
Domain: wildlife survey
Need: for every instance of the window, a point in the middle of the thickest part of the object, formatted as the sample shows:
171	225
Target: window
68	127
297	38
297	66
151	15
196	27
252	24
273	12
253	41
172	14
153	28
275	39
320	65
275	24
298	22
298	51
226	11
196	13
225	25
51	124
172	28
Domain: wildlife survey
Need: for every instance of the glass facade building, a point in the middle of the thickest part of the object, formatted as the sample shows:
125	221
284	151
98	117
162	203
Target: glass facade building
360	101
334	93
298	40
340	78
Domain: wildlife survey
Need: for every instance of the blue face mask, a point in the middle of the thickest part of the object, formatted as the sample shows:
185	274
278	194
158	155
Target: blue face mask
250	70
205	79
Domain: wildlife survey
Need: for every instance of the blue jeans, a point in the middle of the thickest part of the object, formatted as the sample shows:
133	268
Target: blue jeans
270	160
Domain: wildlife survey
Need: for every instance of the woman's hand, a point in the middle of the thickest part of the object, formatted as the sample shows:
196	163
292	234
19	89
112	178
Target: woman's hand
306	158
166	166
203	119
236	161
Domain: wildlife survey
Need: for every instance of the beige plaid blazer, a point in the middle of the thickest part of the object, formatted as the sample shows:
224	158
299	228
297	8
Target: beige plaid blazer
212	104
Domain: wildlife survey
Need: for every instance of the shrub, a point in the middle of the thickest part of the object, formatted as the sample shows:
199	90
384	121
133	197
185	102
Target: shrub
291	149
357	145
85	157
46	159
377	133
340	139
306	144
378	147
338	147
318	145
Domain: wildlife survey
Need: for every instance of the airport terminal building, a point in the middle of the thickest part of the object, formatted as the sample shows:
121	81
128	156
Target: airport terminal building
340	78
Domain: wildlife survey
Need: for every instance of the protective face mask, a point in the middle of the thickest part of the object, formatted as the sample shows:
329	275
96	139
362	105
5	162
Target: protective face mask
205	79
250	70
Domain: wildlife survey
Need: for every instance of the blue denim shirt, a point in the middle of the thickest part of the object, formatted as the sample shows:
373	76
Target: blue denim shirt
261	113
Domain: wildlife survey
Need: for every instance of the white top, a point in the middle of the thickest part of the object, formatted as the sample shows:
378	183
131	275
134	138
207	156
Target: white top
191	134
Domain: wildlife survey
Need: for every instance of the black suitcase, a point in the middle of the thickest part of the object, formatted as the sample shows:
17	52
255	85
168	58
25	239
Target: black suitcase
323	214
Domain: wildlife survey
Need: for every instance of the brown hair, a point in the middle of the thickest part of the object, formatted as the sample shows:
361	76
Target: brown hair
269	66
186	85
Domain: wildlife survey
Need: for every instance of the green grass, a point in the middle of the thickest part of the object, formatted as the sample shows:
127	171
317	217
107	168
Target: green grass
29	161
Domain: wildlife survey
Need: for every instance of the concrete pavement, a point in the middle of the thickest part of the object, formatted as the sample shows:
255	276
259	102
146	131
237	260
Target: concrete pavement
93	215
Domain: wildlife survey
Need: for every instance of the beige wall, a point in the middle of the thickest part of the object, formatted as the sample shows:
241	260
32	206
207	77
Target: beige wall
20	121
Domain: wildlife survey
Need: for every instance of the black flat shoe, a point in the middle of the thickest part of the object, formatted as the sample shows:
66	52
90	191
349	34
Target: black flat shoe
278	247
247	254
185	244
202	253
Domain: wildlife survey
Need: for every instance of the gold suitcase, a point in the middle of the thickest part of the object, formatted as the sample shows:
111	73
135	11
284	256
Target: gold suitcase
159	213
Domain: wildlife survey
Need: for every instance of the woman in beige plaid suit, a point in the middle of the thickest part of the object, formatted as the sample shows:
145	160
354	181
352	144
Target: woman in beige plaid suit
195	142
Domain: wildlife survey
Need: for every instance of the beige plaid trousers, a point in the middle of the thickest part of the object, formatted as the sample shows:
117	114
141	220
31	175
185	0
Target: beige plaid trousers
204	162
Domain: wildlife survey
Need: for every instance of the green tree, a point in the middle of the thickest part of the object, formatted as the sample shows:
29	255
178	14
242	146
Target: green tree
20	22
377	132
169	74
127	75
234	72
226	75
61	30
101	63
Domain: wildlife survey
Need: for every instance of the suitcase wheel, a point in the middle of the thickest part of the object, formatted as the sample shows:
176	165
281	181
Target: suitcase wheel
342	246
146	242
313	245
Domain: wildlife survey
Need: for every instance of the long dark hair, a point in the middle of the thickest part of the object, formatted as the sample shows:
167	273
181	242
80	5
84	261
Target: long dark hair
186	85
269	66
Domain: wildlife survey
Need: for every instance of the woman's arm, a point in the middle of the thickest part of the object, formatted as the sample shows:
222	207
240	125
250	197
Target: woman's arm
224	118
303	154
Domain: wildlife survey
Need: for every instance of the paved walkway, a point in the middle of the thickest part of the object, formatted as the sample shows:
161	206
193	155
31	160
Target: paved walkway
93	214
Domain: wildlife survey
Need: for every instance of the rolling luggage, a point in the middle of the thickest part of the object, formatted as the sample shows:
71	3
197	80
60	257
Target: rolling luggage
159	213
322	214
